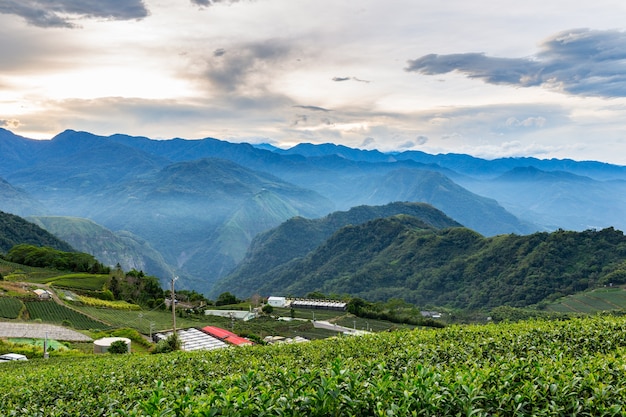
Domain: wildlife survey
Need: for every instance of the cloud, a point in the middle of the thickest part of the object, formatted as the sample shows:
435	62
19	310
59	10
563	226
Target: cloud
300	118
207	3
421	140
527	122
312	108
10	123
367	142
406	145
515	149
246	67
59	13
578	62
340	79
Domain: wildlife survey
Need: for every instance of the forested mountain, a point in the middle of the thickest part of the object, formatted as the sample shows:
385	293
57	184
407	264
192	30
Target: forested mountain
14	230
401	257
123	248
298	236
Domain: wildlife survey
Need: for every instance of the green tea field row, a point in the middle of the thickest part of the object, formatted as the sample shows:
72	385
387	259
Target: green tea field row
10	307
51	312
573	367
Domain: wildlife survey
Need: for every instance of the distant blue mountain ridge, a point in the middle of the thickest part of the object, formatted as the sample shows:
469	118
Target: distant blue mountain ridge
200	202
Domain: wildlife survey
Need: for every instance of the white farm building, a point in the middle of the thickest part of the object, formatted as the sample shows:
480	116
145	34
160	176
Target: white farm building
277	301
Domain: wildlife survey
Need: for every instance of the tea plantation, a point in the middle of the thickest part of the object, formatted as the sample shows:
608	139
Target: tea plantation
541	368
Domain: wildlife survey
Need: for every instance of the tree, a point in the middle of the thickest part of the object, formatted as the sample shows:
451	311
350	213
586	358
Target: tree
317	295
118	347
226	298
267	309
356	305
114	287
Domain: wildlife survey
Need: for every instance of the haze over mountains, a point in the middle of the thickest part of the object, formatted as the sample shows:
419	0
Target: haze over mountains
195	205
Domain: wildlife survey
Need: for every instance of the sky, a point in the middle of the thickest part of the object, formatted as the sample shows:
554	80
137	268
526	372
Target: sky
489	78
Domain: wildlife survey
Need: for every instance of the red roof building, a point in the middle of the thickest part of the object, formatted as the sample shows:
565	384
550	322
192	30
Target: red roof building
226	336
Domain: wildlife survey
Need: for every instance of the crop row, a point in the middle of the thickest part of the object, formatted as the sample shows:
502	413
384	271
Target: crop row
10	308
51	312
116	305
575	367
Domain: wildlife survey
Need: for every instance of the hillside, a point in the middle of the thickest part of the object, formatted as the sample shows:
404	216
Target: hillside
15	230
436	189
398	257
298	236
123	248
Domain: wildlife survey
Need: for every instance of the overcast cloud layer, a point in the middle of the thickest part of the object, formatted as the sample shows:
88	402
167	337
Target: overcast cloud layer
493	78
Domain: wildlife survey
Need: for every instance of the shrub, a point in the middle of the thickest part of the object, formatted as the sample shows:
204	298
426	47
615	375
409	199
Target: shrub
171	344
118	347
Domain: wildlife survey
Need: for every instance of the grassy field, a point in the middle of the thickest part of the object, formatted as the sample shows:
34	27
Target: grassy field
90	282
151	321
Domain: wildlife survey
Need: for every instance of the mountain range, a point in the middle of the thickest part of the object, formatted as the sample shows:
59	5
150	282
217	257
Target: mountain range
199	204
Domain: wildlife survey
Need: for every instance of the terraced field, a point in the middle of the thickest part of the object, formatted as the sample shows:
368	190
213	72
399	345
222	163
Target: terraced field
591	302
51	312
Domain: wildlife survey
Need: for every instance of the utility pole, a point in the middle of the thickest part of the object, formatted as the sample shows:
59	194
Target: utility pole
173	295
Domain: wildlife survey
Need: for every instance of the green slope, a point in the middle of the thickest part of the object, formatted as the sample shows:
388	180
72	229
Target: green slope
298	236
15	230
399	258
591	302
110	248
